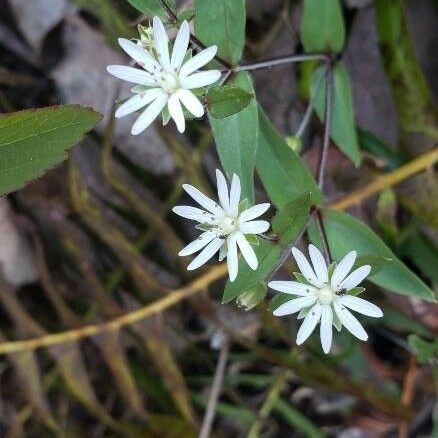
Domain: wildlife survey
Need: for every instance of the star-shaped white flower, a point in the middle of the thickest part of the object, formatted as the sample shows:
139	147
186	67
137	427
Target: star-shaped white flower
225	226
164	78
325	300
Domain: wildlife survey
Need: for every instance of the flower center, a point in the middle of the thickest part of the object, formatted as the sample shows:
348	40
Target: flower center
326	295
227	225
168	81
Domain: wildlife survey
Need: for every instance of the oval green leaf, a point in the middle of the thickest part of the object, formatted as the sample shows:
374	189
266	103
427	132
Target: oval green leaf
33	141
227	100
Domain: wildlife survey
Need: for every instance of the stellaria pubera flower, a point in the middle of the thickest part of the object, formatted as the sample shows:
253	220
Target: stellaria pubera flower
326	300
164	79
226	225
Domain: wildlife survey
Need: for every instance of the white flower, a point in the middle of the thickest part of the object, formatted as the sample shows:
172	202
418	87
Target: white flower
225	227
164	78
326	300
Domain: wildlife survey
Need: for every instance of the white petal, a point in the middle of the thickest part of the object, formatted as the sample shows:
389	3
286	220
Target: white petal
176	112
361	306
180	45
254	227
206	254
294	306
161	42
309	323
325	329
200	79
194	213
198	61
191	102
140	55
349	321
222	190
247	251
232	260
137	102
342	269
253	212
235	195
305	267
149	114
131	74
203	200
319	264
198	244
291	287
356	277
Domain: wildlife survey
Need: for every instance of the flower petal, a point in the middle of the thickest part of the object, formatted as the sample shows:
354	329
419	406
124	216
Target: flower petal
176	112
149	114
254	227
294	306
131	74
305	267
253	212
137	102
325	329
161	42
194	213
203	200
291	287
232	260
198	61
349	321
200	79
235	195
180	45
319	264
361	306
247	251
140	55
203	240
206	254
342	269
191	102
222	190
309	323
356	277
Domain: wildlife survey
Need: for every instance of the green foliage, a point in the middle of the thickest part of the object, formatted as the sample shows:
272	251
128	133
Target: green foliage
247	279
343	128
222	23
226	100
345	233
290	220
284	175
236	139
425	351
252	297
149	8
322	26
33	141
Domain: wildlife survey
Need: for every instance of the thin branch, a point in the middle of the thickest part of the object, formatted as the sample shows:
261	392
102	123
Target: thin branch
289	59
215	390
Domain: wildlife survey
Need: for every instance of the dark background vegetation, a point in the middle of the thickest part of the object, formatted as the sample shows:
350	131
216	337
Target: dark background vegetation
94	239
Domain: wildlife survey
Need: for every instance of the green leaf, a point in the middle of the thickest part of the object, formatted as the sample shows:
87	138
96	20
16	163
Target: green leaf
33	141
222	23
343	128
150	8
377	263
322	26
284	175
267	255
252	239
226	100
356	291
346	233
290	220
425	351
236	140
